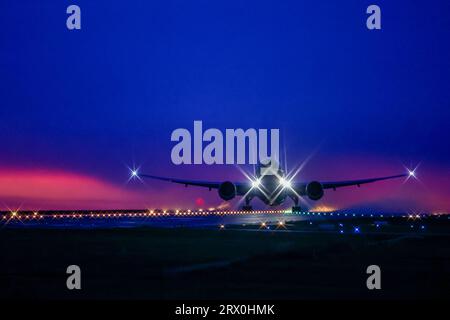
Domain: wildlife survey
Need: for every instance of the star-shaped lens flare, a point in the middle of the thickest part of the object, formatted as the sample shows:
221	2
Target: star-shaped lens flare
256	183
285	183
412	173
134	174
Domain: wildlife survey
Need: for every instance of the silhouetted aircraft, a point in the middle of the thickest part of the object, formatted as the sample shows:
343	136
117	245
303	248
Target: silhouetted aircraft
272	189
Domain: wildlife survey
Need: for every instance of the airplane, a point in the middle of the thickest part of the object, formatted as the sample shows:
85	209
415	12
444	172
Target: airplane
272	189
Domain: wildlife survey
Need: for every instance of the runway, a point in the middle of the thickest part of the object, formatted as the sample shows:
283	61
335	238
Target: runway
262	220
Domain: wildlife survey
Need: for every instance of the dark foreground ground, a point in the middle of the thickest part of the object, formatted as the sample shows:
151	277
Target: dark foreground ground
298	261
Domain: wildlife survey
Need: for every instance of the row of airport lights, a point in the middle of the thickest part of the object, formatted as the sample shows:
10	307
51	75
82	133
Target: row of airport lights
149	213
369	215
165	213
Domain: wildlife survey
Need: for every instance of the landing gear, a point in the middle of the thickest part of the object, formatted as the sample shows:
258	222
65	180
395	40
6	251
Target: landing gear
296	209
247	206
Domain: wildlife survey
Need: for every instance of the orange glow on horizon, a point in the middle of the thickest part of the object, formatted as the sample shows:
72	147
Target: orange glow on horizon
323	208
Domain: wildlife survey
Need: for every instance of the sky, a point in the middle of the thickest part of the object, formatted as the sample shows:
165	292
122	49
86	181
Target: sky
79	108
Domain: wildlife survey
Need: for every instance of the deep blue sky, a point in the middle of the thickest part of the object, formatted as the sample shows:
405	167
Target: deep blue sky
93	100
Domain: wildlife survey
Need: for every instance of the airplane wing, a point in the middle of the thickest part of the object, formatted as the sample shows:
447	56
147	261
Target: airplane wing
206	184
339	184
241	187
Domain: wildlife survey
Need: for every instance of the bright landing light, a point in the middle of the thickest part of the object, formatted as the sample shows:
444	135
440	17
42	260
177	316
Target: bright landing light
256	183
285	183
134	173
411	173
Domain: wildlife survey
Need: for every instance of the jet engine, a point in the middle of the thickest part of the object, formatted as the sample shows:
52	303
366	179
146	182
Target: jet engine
314	190
227	190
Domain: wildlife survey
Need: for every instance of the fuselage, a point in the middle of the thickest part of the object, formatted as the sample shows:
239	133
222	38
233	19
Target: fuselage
270	190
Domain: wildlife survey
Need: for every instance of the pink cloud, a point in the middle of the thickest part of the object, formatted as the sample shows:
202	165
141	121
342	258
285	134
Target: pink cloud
44	189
